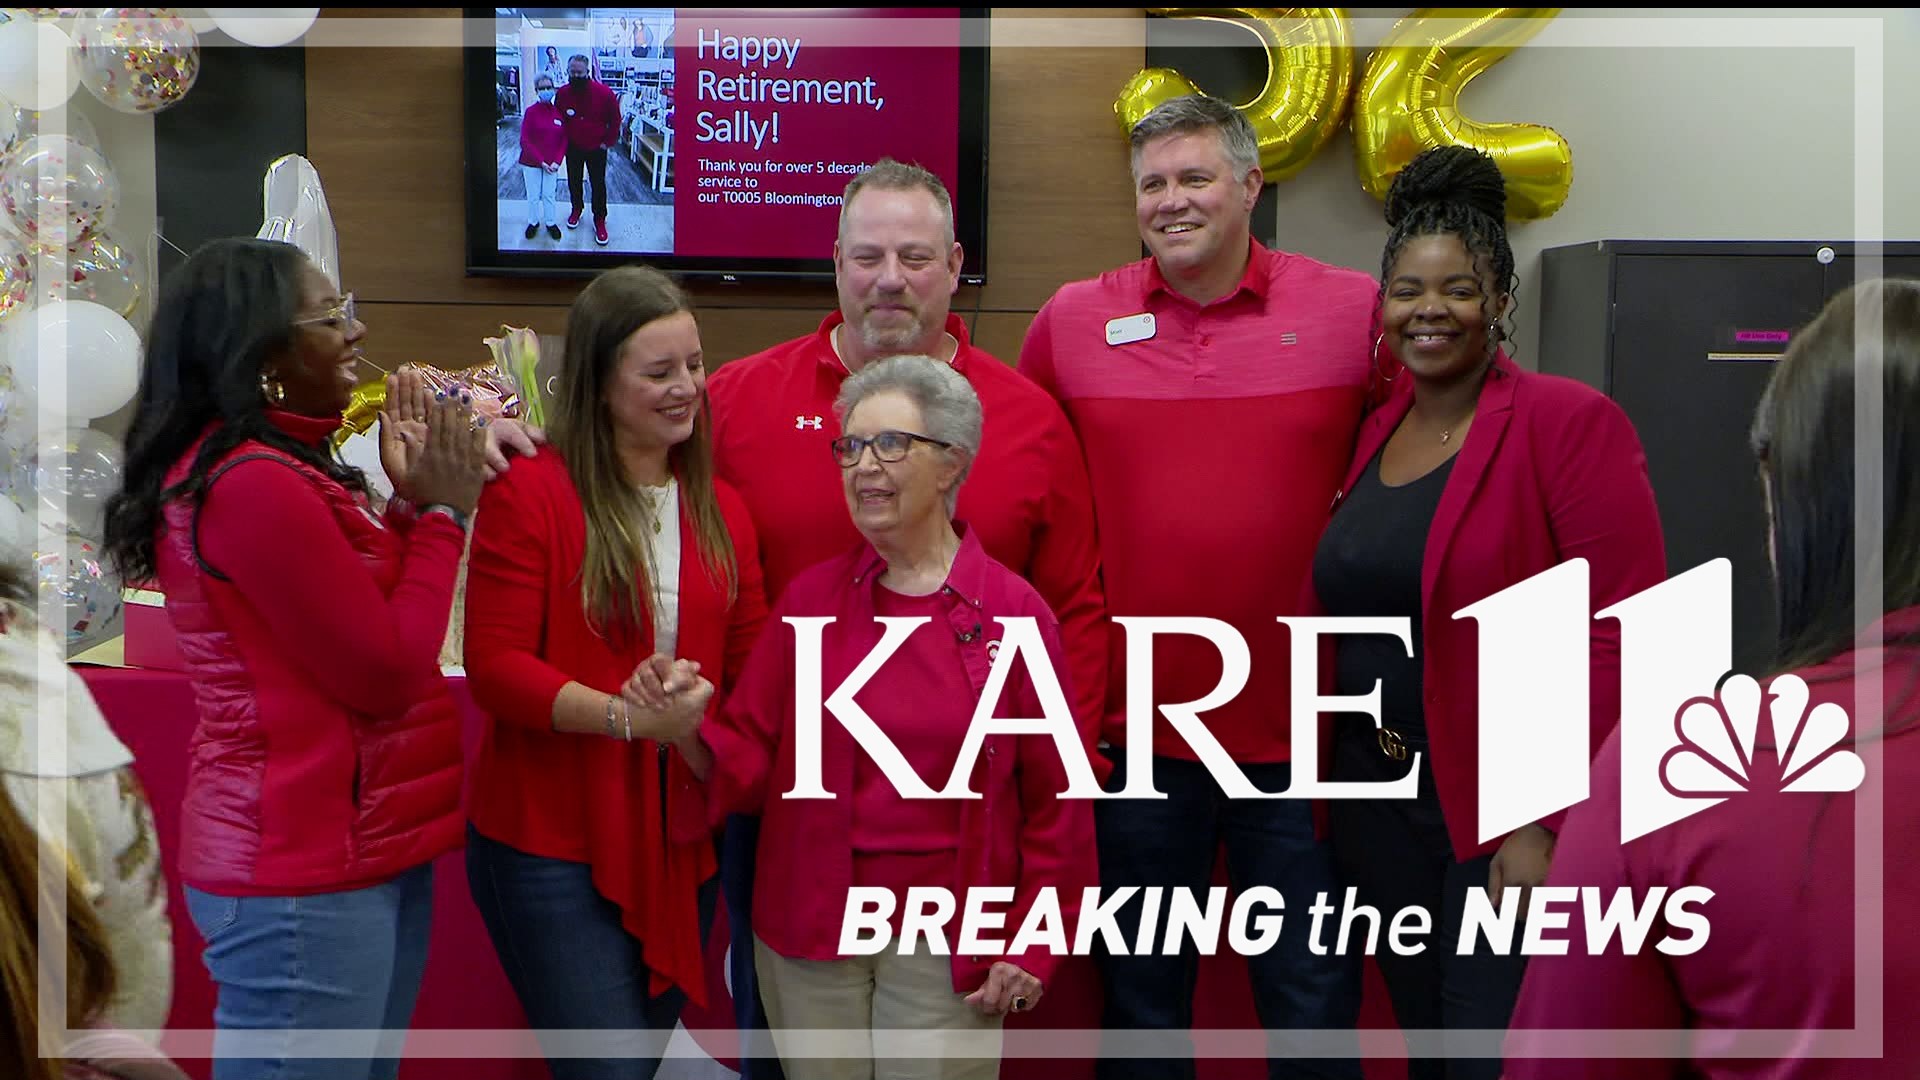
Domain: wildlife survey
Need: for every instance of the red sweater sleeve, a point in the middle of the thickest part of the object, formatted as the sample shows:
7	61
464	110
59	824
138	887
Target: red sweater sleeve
316	595
1056	834
1602	510
749	613
746	734
506	601
609	115
1613	991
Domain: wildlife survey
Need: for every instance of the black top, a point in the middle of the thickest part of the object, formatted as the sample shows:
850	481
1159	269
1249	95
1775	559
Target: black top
1368	564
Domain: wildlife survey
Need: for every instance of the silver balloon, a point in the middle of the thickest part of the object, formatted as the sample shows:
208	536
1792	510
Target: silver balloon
296	211
76	580
80	463
62	184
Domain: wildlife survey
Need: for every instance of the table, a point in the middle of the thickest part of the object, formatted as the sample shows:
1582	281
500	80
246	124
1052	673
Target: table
465	988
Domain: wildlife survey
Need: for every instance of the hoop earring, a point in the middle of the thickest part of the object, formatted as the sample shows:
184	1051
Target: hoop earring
273	390
1375	360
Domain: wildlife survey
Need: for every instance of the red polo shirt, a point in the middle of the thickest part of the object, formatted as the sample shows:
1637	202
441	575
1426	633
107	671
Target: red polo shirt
1026	496
1214	448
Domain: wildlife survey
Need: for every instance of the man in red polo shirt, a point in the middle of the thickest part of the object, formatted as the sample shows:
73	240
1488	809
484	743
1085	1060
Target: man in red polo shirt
896	267
1216	388
592	116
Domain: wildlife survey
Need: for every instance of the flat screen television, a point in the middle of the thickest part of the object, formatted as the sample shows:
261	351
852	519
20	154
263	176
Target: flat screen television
724	137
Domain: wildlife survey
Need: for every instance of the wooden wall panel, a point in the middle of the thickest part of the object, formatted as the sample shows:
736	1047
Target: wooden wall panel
384	128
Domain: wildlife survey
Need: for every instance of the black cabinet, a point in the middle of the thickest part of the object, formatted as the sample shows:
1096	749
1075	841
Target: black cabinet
1683	335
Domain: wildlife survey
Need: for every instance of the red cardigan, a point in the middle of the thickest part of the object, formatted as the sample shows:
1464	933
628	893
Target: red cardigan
633	811
1551	471
1018	834
1789	896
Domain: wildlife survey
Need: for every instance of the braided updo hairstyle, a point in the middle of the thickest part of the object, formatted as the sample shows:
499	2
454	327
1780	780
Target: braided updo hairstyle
1454	191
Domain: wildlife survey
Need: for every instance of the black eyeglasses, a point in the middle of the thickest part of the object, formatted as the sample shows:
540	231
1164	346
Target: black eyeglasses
888	446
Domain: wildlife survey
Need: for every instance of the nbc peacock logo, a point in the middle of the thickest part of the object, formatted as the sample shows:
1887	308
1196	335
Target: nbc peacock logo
1720	752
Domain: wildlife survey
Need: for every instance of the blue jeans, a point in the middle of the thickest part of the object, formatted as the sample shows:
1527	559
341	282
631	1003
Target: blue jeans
1171	843
580	977
737	848
295	972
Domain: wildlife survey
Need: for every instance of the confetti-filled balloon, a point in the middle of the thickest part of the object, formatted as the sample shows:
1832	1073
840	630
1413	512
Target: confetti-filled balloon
16	277
137	60
56	190
100	269
81	464
17	125
76	577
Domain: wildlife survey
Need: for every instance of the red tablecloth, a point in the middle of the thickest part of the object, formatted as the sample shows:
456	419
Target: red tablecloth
153	713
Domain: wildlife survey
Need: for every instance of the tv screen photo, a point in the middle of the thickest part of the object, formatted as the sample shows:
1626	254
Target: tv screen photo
711	140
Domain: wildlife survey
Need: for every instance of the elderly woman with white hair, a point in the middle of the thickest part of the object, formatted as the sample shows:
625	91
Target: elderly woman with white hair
910	427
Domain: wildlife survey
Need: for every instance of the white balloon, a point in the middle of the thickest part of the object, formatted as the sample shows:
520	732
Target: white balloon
36	64
99	357
265	27
202	22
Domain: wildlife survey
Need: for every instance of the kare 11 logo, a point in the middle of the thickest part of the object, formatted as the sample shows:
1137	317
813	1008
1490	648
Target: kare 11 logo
1690	731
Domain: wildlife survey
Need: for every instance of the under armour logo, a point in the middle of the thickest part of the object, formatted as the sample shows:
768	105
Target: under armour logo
802	423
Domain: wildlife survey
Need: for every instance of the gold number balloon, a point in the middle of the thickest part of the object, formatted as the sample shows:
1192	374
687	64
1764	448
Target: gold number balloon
1309	79
1409	102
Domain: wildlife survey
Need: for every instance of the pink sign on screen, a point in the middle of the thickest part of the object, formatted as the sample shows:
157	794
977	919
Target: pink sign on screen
775	114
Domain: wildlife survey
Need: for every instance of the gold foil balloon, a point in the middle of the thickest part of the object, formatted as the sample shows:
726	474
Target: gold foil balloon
1309	76
137	60
369	397
1409	102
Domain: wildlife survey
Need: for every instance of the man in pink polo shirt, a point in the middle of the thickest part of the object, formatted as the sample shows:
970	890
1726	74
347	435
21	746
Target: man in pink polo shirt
1216	389
896	268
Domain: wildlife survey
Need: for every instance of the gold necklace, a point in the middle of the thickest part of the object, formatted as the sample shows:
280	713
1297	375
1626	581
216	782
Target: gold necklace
653	497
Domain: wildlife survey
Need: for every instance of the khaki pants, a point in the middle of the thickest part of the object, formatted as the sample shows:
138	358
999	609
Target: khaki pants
898	1014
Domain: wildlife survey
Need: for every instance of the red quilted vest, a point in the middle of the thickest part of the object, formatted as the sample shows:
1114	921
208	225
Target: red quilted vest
289	791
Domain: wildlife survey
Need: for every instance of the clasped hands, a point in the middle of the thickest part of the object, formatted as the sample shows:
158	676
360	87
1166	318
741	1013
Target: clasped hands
667	698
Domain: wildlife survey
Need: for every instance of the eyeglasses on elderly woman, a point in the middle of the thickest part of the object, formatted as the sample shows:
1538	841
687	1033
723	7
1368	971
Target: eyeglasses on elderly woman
888	446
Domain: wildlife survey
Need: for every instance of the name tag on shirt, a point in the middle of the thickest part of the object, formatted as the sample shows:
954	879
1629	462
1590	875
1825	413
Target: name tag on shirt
1130	328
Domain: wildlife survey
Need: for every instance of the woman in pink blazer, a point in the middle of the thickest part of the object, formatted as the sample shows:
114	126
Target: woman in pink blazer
1794	904
1472	476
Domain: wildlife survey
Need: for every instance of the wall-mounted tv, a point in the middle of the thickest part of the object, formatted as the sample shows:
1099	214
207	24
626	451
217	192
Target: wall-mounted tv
720	139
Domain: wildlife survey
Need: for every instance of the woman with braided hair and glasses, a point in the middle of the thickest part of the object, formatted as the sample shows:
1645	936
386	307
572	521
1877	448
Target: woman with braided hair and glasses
1472	476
